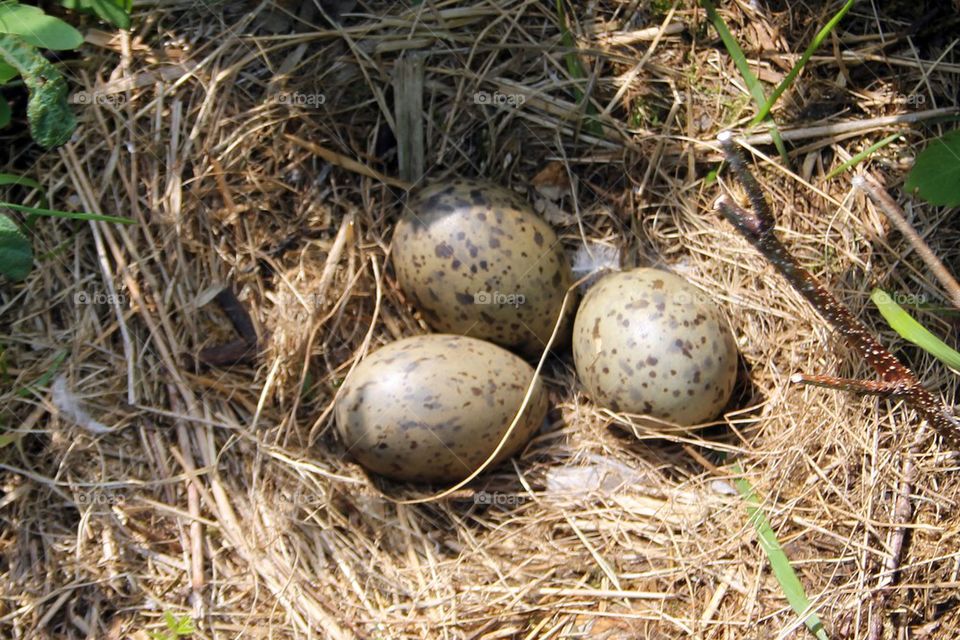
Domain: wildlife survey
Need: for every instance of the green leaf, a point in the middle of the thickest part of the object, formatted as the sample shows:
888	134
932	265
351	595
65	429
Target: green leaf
7	73
182	626
171	620
4	112
936	173
16	254
111	13
114	15
185	627
733	48
51	120
782	570
73	215
116	12
909	329
37	28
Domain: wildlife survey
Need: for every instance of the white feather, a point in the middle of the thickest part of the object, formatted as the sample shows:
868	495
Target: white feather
594	259
69	405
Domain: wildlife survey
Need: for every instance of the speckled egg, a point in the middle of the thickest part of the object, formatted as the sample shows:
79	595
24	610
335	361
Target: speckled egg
476	260
646	341
432	408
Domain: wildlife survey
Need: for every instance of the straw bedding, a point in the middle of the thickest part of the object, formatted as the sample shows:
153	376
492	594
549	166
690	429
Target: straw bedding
253	145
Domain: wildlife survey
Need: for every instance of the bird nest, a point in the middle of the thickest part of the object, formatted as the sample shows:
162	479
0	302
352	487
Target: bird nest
168	458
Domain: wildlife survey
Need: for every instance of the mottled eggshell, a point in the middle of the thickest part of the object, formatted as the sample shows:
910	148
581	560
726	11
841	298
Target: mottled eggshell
476	260
647	342
432	408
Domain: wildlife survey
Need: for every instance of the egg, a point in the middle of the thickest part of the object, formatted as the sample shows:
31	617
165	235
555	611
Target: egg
432	408
476	260
646	341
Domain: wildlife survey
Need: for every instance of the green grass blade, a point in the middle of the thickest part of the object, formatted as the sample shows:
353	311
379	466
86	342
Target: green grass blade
6	439
909	329
575	69
782	571
857	159
11	178
778	143
754	85
46	377
75	215
811	48
733	48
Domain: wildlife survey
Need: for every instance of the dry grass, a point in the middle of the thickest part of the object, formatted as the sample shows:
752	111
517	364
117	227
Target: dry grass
223	494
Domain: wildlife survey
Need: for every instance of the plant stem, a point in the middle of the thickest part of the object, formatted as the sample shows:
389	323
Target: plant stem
897	380
73	215
882	199
855	126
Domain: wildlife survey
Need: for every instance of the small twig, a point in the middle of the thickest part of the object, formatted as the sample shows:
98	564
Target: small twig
347	163
853	126
882	199
897	380
864	387
186	460
902	515
237	314
237	351
242	350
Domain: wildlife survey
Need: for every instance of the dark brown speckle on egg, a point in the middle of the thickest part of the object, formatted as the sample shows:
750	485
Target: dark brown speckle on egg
404	412
485	242
685	350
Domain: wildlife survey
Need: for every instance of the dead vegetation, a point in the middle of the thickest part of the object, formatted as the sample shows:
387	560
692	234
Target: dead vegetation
256	148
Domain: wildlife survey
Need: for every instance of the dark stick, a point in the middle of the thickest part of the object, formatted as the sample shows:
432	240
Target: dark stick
898	381
239	351
902	515
242	350
888	205
863	387
237	314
